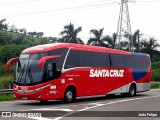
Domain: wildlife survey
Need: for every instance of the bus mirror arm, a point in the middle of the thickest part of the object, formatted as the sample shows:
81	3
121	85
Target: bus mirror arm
44	59
10	61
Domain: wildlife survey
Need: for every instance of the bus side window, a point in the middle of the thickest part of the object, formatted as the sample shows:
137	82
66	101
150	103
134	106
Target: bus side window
75	59
50	69
97	59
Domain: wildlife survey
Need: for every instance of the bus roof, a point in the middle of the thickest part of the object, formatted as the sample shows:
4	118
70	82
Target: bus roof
49	47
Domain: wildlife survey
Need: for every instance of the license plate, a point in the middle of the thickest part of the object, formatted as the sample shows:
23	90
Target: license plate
24	98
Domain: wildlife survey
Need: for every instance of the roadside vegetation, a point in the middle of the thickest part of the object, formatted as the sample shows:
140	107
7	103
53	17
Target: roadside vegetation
6	97
14	40
155	86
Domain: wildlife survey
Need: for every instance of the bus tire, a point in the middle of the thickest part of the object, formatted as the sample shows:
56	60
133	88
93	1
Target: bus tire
70	95
43	101
132	90
110	95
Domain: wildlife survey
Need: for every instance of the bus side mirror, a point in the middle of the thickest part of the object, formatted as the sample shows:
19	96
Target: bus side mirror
10	61
44	59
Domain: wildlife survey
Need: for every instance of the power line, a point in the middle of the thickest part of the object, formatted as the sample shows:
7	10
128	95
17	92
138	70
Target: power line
149	1
13	3
61	9
72	11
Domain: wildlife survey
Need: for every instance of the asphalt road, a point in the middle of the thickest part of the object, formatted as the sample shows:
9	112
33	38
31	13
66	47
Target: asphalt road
144	106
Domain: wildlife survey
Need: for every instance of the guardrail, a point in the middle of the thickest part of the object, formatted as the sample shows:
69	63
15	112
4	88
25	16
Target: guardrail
6	91
155	82
6	88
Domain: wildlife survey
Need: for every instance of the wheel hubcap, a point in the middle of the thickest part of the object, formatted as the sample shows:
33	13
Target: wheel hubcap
132	91
69	95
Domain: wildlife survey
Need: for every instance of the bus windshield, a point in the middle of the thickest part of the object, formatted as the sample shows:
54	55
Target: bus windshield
27	71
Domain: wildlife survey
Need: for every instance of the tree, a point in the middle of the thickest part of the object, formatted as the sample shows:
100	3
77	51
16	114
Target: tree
10	51
109	41
31	34
23	31
3	26
52	39
114	36
136	40
39	34
98	40
13	29
149	46
70	34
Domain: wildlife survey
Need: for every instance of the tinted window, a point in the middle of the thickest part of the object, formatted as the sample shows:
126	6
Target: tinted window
142	62
59	62
97	59
129	61
117	60
77	58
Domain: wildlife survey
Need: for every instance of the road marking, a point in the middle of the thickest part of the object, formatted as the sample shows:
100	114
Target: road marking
98	105
58	118
55	109
118	101
64	106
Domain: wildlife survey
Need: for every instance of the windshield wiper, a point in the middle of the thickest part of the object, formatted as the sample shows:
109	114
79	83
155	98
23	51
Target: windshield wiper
30	74
19	66
21	75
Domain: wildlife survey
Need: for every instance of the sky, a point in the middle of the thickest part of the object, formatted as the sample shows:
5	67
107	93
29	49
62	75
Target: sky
50	16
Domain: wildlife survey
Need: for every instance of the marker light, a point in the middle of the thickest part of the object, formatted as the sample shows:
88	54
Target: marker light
53	87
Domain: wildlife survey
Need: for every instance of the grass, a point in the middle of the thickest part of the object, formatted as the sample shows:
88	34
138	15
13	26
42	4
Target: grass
155	86
6	97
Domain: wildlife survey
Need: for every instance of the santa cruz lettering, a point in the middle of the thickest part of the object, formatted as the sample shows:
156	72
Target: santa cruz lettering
106	73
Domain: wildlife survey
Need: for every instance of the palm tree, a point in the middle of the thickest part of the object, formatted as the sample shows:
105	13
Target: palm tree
114	36
149	46
70	34
97	40
110	41
136	42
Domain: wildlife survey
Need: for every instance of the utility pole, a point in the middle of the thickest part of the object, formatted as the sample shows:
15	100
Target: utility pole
124	27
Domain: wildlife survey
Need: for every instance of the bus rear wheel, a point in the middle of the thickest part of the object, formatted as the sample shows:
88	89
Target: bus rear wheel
70	95
110	95
132	90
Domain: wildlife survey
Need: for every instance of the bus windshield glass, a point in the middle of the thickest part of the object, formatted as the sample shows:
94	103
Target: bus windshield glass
27	71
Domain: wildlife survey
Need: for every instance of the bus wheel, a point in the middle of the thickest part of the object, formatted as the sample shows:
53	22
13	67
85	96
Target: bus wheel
132	90
69	95
43	101
110	95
